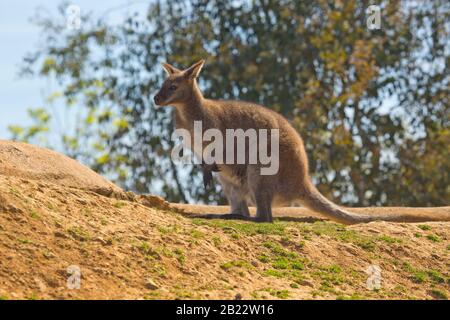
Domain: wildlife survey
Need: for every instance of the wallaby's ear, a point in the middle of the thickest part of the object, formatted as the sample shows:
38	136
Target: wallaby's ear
170	69
194	70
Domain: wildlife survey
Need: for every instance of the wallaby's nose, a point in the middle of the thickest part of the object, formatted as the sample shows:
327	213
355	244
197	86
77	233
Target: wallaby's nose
157	99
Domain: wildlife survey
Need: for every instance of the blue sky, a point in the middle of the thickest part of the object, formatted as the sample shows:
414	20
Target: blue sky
19	36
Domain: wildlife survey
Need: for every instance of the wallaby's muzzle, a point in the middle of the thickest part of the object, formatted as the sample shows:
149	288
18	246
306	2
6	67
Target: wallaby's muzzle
158	100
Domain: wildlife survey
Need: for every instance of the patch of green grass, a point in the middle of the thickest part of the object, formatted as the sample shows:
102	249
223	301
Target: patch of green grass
280	294
119	204
235	264
422	276
408	267
433	238
294	285
149	251
354	296
330	276
164	230
169	230
34	215
334	269
246	228
274	273
297	265
439	294
448	247
419	277
417	235
179	254
197	234
152	295
367	245
24	241
158	269
389	239
284	263
278	250
217	241
3	297
280	263
339	232
424	227
235	236
435	276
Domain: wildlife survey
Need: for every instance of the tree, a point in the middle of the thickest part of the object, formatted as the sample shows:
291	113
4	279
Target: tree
371	105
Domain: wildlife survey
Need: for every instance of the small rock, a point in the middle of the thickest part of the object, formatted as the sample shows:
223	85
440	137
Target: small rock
82	201
238	297
435	256
255	263
150	284
306	283
60	234
101	240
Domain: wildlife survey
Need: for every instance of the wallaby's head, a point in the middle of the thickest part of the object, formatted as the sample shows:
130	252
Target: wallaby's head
179	85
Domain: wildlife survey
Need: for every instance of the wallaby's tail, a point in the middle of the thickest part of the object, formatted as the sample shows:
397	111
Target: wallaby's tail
315	201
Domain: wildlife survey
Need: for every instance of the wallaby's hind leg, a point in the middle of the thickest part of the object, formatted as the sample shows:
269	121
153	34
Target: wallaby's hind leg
262	196
263	207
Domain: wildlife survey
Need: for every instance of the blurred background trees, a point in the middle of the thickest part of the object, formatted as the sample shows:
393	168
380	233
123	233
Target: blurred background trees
372	105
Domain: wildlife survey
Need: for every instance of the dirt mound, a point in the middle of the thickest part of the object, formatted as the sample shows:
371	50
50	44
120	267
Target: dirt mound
54	228
29	162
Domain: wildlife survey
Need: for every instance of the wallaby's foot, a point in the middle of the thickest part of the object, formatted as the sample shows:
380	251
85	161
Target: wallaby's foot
263	219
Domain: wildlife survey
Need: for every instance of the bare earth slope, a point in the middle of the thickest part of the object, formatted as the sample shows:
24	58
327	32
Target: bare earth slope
55	213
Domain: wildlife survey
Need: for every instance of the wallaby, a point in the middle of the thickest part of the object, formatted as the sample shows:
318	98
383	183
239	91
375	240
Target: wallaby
243	184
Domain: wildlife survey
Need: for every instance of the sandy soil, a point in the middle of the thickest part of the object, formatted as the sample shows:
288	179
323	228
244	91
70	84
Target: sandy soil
55	213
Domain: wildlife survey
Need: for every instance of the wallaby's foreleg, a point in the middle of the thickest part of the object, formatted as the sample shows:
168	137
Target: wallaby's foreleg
239	206
236	198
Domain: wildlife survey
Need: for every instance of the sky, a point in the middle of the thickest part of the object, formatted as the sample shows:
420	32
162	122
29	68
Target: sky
18	36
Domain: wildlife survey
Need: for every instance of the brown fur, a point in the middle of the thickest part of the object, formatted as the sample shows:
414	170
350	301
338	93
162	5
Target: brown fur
243	183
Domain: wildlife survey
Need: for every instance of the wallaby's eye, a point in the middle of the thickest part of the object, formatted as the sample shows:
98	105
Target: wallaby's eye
173	87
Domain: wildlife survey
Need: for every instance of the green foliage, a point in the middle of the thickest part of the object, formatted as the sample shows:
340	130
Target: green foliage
236	264
439	294
35	132
433	237
372	105
237	227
